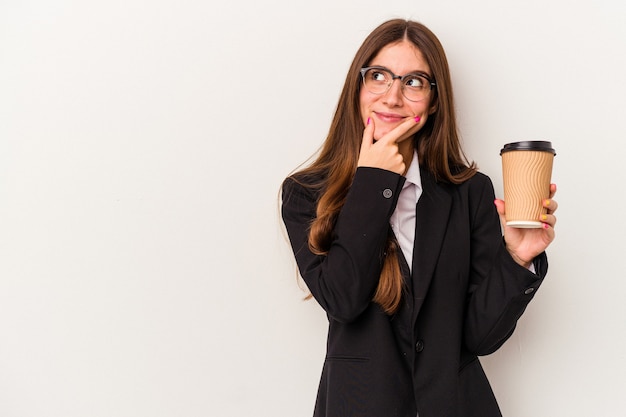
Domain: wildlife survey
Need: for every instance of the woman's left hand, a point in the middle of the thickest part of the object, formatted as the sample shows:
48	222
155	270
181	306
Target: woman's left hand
525	244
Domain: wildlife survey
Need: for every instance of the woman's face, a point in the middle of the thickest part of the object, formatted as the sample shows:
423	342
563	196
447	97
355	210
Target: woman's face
389	109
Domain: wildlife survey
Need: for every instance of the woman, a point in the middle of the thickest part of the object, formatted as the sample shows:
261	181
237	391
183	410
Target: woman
398	238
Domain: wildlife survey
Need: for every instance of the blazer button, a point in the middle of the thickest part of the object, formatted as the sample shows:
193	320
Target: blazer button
419	346
387	193
529	291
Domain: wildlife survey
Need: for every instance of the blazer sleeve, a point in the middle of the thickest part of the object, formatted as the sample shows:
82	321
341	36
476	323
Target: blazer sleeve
344	280
499	289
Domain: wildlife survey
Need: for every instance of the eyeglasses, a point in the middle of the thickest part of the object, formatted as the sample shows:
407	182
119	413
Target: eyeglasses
415	86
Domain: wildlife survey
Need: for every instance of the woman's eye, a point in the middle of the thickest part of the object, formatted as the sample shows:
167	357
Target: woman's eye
378	76
415	82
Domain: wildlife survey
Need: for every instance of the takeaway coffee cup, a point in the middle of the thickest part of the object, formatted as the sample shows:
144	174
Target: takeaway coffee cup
526	171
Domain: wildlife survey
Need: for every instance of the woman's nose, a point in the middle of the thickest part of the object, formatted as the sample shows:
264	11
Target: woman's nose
393	96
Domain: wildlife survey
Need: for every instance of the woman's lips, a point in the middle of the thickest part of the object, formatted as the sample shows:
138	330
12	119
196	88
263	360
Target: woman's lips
389	117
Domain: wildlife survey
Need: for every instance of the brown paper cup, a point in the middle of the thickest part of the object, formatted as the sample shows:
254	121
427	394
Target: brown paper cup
526	171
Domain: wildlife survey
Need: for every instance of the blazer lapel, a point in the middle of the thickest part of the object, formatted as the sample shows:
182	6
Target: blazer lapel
433	211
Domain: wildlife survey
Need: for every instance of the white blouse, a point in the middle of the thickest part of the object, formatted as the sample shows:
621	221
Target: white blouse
403	217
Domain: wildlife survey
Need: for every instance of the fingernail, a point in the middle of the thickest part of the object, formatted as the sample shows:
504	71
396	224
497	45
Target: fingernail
546	203
417	119
368	120
546	226
544	217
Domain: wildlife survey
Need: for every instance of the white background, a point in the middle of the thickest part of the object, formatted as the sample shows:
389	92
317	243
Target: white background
143	268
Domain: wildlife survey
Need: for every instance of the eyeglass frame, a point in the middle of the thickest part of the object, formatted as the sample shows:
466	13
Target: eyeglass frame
433	84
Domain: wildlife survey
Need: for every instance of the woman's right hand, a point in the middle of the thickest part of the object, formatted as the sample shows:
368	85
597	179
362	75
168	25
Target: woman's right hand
384	153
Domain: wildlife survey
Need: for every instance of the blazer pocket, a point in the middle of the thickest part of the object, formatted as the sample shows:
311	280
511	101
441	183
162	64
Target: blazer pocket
348	387
339	358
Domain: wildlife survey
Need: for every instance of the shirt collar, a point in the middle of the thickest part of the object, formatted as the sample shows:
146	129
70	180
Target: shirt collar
413	173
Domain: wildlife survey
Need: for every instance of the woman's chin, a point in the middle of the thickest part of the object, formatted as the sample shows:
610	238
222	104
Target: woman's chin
379	133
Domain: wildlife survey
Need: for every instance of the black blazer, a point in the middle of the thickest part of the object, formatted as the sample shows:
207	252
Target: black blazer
463	299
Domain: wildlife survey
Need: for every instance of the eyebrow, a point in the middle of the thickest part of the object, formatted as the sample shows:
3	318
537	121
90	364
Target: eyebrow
414	72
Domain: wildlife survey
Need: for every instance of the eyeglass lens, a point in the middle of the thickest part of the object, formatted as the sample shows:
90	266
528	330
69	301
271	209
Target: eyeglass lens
414	86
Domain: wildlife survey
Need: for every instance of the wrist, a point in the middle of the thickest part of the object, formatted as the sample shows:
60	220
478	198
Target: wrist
526	264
